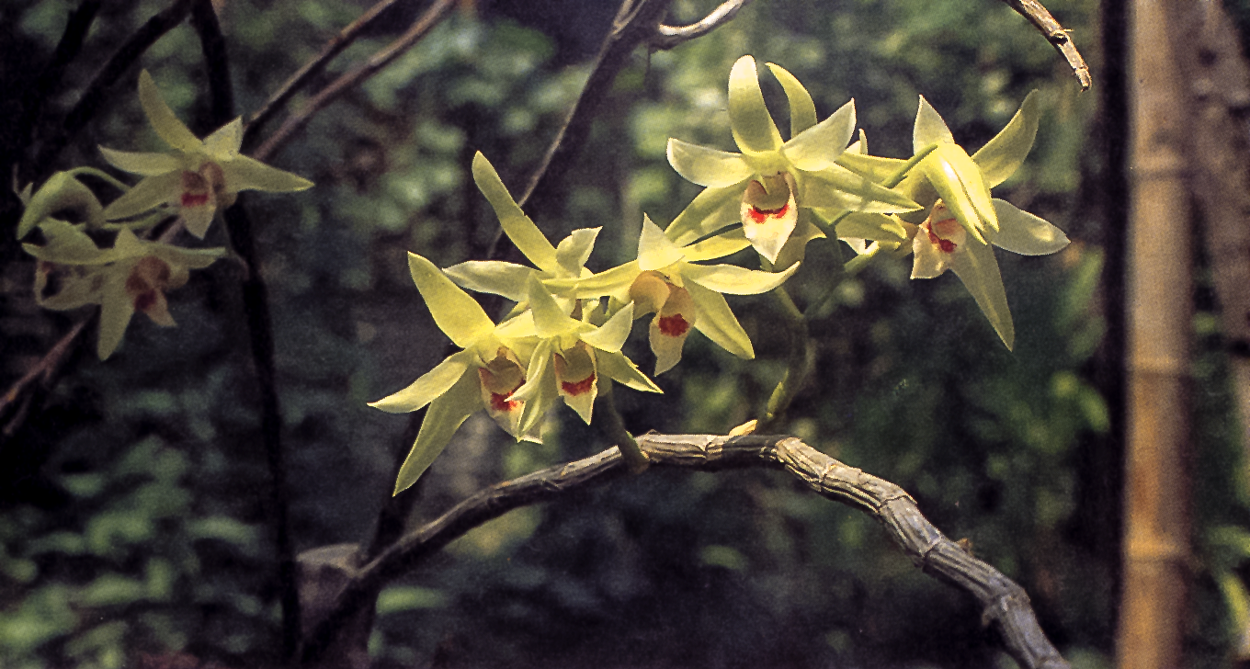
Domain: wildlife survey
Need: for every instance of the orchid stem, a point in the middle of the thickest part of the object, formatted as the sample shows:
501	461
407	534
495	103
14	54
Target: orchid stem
799	366
613	426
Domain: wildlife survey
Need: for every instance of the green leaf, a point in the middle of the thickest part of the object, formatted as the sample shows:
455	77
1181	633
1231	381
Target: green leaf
753	127
445	416
459	316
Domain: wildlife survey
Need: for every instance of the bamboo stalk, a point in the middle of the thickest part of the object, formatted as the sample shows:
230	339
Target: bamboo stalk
1156	522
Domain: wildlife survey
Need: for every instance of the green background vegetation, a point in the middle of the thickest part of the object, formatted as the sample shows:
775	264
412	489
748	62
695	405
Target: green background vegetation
132	508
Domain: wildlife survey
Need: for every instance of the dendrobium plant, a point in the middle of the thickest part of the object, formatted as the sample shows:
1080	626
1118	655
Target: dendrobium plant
197	177
553	263
131	276
564	338
75	265
667	280
772	186
484	375
963	219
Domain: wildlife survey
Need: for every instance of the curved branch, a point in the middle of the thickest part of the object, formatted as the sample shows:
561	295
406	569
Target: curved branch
161	23
1039	16
668	37
1004	603
430	18
312	68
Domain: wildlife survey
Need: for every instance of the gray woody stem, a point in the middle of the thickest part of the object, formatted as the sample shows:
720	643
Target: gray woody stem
1004	604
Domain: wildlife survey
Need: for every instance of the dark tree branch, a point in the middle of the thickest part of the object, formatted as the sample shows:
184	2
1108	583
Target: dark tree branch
92	99
354	77
1004	603
337	44
76	28
667	37
260	331
636	23
1039	16
25	393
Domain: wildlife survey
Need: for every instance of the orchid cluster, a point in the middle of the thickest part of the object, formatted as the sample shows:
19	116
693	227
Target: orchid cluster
563	338
188	184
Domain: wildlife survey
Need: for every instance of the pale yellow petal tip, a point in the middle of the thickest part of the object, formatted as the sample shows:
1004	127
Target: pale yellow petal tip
744	429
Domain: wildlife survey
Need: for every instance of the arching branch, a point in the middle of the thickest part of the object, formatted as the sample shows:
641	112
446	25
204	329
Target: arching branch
1004	603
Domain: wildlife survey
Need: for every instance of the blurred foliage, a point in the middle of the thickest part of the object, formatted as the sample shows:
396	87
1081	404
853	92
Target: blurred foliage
133	507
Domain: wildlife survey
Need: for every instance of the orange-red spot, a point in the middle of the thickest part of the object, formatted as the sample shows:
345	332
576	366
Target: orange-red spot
673	326
194	199
946	245
576	388
500	402
758	215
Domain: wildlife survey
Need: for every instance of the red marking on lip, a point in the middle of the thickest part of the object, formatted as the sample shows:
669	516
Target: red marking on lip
194	199
673	326
946	245
758	215
500	402
576	388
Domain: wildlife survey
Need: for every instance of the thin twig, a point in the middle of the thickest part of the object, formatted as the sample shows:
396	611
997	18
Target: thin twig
91	100
337	44
1004	603
354	77
667	37
636	23
77	25
1039	16
15	405
260	331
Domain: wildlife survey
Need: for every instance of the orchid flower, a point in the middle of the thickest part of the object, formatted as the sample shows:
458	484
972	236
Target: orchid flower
566	261
963	219
484	375
198	176
571	356
665	280
62	192
131	276
770	184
